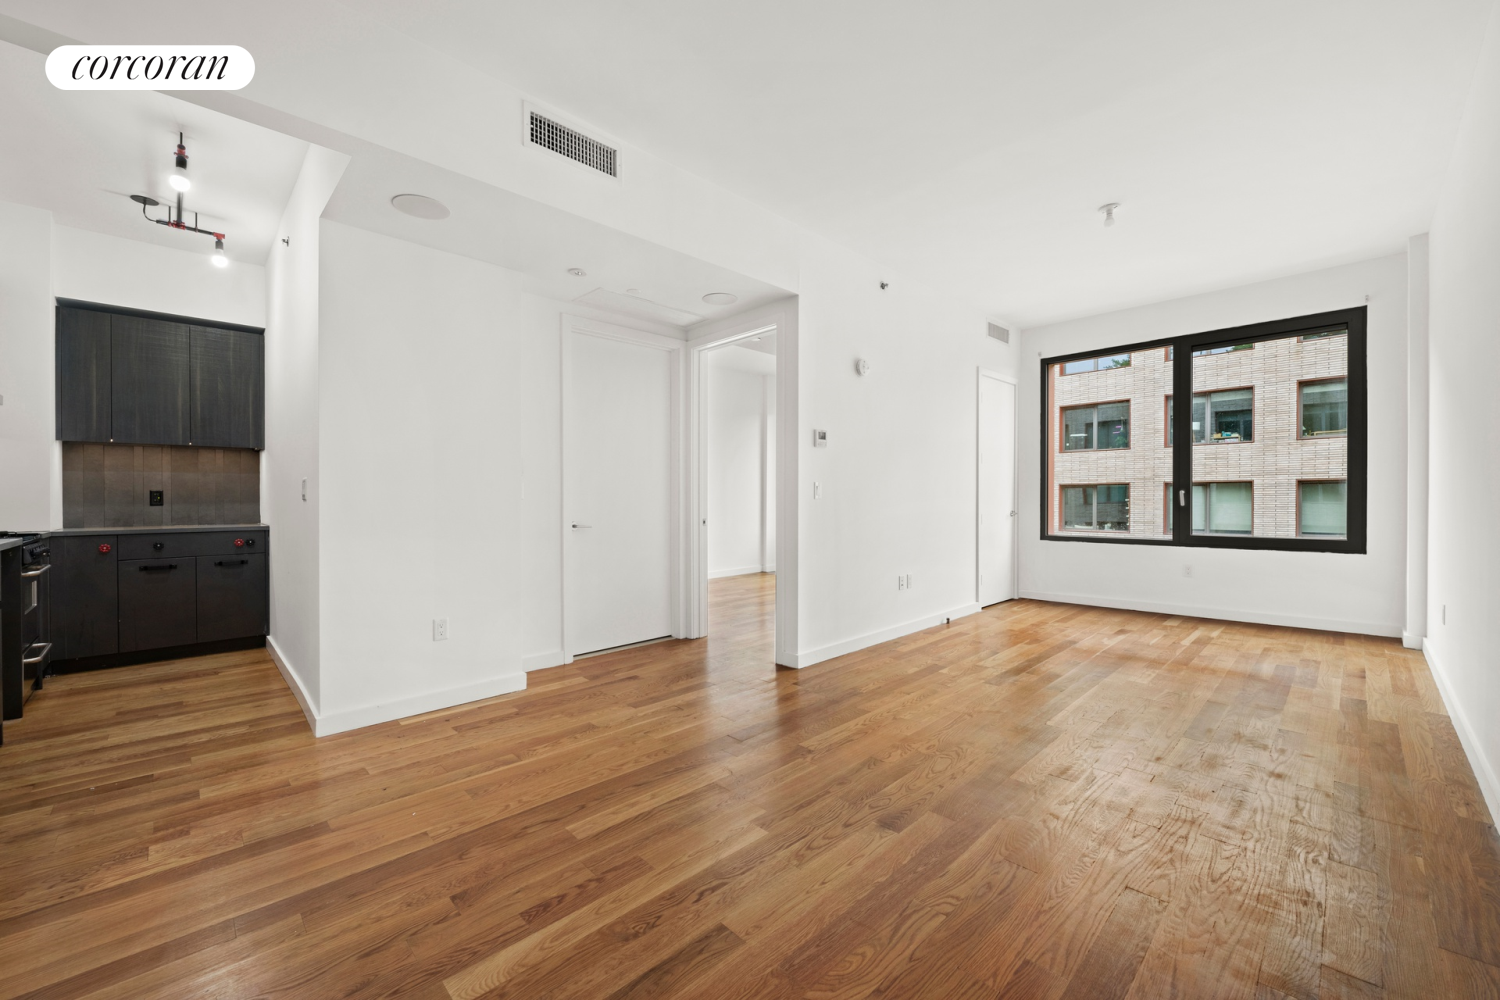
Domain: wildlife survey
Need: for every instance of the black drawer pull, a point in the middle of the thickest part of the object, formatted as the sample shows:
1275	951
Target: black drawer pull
148	569
230	562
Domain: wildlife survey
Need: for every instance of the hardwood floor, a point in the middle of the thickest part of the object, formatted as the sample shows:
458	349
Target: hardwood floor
1037	801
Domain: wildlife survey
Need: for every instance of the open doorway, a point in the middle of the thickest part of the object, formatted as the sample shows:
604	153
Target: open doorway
738	421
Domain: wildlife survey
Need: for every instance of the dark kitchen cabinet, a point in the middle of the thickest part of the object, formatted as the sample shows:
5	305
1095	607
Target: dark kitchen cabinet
227	392
85	596
158	603
83	375
149	381
232	597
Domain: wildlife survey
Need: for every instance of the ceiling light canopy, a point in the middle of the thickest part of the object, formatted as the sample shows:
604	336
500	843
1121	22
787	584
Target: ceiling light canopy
721	298
1109	212
419	206
578	272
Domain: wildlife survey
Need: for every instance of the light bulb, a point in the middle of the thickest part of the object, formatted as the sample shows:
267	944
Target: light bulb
178	178
218	258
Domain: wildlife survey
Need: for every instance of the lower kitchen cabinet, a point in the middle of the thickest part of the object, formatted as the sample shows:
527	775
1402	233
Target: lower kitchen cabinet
85	596
232	597
158	603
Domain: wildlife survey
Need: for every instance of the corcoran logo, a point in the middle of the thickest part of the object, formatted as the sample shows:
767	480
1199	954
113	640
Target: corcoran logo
150	67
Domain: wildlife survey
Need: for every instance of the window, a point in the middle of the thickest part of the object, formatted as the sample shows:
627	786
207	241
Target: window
1290	395
1324	406
1096	508
1102	426
1225	417
1219	508
1323	509
1102	363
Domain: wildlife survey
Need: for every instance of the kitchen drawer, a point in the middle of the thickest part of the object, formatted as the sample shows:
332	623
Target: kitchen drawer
167	544
158	603
222	543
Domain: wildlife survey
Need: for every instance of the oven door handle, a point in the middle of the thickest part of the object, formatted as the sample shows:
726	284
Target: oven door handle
32	574
46	647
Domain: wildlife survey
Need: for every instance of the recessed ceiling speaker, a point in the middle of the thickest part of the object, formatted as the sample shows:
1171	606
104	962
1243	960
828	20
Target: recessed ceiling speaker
1000	333
419	206
721	298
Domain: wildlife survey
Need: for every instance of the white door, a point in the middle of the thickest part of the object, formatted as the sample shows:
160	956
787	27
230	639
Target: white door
997	490
617	413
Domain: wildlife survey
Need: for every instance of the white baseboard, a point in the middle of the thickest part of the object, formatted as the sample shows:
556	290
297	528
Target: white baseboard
1221	614
1411	641
294	682
370	715
716	574
807	659
326	724
1489	786
541	661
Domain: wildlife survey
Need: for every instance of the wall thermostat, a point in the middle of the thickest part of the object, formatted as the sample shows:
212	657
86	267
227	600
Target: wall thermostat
861	366
820	439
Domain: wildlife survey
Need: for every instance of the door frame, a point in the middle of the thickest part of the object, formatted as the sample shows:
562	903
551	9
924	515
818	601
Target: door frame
1015	479
676	349
779	318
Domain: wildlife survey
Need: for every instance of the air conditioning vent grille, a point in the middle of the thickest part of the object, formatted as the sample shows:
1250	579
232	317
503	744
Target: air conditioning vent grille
574	145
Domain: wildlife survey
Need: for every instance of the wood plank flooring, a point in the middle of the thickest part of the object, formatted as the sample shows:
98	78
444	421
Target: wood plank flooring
1038	801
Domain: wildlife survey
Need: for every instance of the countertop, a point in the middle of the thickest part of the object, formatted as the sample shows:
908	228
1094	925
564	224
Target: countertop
153	529
9	543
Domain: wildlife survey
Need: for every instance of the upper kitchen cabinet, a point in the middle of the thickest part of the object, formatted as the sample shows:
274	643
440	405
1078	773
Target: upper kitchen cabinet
149	384
149	379
228	388
83	375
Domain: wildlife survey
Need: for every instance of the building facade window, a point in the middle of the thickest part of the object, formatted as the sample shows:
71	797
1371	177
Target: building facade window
1102	426
1323	509
1219	508
1096	508
1290	395
1223	417
1103	362
1324	407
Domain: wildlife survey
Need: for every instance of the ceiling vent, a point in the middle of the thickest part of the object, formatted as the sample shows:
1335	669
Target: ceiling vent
1000	333
548	134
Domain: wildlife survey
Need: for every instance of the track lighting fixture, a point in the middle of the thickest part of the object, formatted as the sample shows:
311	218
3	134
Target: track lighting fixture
178	178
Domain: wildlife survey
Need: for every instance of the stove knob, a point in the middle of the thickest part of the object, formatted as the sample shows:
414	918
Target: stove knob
250	542
104	548
239	543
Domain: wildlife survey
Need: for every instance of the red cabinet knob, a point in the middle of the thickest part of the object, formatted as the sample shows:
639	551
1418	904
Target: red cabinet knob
239	543
104	548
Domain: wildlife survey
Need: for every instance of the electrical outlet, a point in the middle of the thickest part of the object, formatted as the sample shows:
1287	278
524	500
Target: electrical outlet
304	490
817	491
900	582
1187	571
439	629
908	581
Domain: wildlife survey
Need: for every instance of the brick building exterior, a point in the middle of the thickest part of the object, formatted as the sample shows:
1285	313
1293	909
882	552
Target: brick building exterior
1277	457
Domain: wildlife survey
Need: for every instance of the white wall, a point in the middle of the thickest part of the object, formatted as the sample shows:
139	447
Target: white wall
439	460
1463	632
292	435
737	424
30	460
1351	593
898	477
106	269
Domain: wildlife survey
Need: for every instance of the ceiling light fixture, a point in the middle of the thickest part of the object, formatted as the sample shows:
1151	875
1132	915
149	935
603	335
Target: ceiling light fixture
179	181
419	206
578	272
178	178
1109	212
721	298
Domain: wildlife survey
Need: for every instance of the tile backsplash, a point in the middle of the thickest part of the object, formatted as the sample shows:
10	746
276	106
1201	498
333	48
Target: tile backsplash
109	485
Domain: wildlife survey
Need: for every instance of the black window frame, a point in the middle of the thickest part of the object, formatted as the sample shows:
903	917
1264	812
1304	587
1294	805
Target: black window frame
1355	323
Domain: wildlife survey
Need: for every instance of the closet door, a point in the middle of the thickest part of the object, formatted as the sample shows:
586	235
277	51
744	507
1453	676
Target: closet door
149	361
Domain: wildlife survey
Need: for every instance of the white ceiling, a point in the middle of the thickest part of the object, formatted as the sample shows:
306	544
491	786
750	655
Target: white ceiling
80	154
624	275
971	141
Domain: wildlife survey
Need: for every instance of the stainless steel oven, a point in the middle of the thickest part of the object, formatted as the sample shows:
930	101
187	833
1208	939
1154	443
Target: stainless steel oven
36	656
